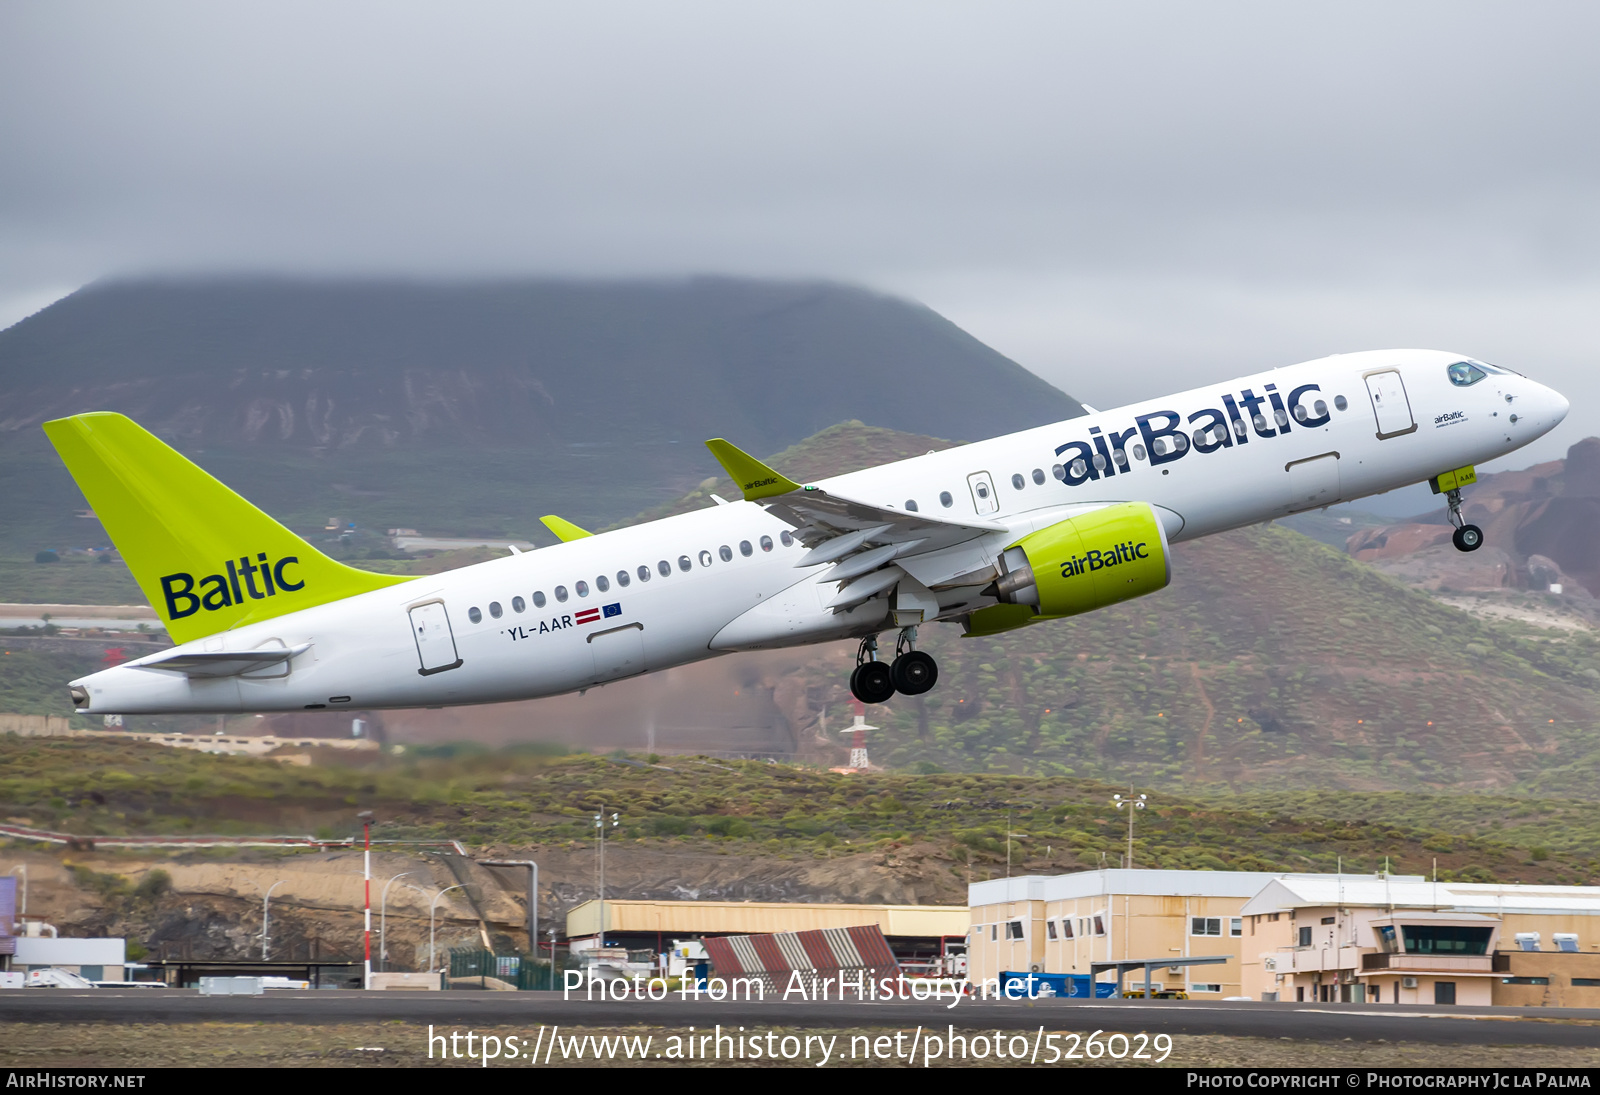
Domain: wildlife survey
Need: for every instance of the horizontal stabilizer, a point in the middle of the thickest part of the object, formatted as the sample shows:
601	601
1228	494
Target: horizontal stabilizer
565	530
751	476
222	663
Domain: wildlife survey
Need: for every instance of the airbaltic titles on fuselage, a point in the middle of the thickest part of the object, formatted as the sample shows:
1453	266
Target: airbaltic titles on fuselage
1105	454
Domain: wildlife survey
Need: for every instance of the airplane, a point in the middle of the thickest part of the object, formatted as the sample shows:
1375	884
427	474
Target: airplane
1010	532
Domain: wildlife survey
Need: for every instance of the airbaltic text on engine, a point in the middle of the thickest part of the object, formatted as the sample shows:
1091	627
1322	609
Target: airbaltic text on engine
1095	560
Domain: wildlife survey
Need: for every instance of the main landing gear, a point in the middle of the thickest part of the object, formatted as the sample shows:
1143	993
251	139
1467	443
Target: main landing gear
1466	537
912	672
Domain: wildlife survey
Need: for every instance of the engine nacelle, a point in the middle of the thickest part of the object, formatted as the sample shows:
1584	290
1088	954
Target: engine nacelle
1087	562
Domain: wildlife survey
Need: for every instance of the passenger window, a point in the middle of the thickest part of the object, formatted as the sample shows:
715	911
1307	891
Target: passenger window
705	558
475	615
1464	374
911	505
1018	482
1138	452
726	552
538	599
766	543
745	549
1059	472
561	593
602	583
1099	462
495	610
582	587
644	574
788	540
1038	477
1180	441
1321	408
623	579
664	567
1120	456
1280	418
518	604
1079	468
1340	402
684	564
945	499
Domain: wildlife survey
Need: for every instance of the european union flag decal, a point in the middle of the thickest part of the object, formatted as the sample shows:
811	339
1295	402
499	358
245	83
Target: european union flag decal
612	610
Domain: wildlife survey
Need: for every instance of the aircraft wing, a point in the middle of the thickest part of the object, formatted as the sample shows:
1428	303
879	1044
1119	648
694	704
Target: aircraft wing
862	539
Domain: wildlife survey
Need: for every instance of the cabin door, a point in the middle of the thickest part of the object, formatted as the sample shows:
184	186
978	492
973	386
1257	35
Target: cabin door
1390	404
436	643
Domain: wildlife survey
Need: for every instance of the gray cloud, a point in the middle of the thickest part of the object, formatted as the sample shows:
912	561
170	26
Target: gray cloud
1126	198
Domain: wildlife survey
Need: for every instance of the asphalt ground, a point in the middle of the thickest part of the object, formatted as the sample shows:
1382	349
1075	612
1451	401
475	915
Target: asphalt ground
488	1010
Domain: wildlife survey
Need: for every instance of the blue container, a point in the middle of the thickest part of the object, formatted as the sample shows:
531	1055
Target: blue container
1073	986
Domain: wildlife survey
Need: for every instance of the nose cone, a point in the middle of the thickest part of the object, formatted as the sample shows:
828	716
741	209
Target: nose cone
1546	407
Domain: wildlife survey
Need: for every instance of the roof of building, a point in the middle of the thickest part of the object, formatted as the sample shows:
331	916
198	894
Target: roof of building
1413	892
1118	881
758	917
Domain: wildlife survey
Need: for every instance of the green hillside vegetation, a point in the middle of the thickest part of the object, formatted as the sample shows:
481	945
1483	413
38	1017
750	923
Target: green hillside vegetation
520	797
1270	662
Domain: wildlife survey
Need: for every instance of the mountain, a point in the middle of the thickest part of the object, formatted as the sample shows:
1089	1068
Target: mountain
473	407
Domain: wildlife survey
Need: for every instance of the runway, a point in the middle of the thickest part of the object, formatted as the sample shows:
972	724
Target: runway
504	1011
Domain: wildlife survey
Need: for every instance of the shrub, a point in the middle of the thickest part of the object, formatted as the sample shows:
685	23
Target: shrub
155	883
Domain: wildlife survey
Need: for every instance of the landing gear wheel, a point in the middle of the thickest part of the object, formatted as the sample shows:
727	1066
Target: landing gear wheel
872	682
1467	538
914	673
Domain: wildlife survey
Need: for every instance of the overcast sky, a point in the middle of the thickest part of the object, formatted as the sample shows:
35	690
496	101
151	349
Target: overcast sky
1126	198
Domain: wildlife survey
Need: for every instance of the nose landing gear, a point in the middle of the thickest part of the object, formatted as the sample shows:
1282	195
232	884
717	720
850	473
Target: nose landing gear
1466	537
1449	483
912	673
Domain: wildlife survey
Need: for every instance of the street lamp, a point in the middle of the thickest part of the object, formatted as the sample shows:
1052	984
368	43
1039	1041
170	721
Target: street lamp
383	919
601	824
1134	806
366	874
265	898
432	961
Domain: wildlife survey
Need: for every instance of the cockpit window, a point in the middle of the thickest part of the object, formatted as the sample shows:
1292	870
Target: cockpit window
1464	374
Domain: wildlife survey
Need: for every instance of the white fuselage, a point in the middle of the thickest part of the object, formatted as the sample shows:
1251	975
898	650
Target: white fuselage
737	593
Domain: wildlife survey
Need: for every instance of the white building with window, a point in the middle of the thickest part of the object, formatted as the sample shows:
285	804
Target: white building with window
1062	923
1407	940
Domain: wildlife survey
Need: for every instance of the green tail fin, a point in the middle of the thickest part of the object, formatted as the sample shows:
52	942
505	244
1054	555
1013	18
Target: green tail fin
206	559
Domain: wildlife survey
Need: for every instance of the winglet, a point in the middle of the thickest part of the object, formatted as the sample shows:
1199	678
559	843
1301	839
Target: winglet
753	477
565	531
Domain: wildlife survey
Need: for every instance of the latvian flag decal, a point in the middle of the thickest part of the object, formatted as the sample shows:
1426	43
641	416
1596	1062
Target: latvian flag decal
590	615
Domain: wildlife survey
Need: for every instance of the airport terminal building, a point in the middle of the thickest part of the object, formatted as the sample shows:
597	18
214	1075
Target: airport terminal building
1299	937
